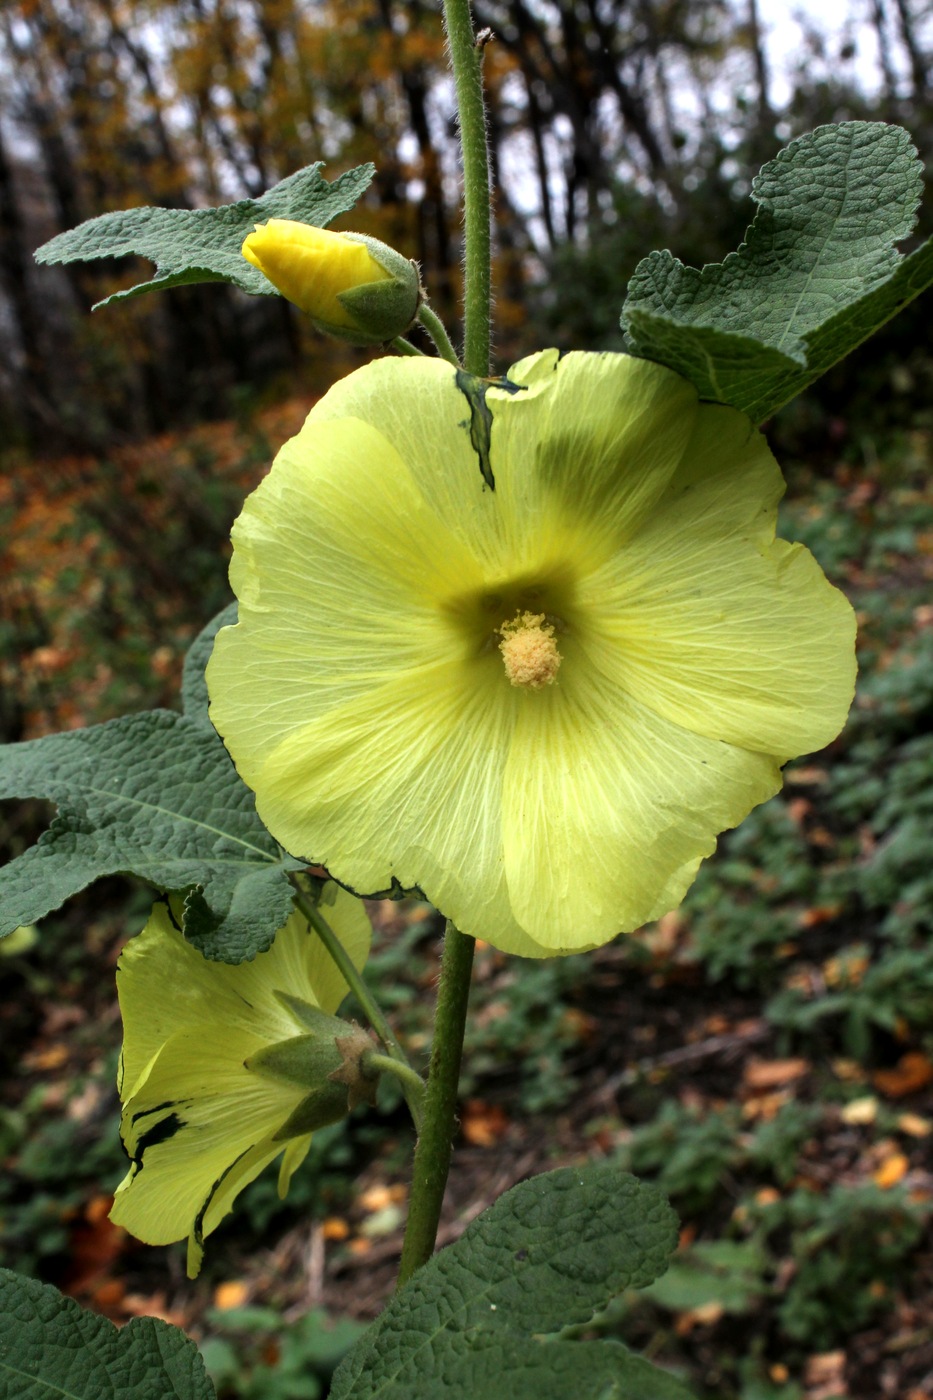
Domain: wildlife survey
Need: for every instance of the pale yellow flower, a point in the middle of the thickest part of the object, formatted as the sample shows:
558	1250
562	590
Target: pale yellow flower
198	1122
526	647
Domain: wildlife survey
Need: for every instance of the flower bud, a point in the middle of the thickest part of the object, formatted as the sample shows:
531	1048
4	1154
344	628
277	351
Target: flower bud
329	1061
350	285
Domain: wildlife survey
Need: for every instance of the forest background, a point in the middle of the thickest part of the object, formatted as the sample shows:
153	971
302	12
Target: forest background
766	1053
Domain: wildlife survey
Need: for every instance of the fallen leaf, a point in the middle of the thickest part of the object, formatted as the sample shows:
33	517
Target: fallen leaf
770	1074
231	1295
892	1170
914	1126
704	1316
825	1376
52	1058
858	1111
333	1228
483	1124
913	1071
379	1197
766	1106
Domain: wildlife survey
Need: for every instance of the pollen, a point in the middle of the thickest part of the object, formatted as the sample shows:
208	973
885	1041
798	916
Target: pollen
529	651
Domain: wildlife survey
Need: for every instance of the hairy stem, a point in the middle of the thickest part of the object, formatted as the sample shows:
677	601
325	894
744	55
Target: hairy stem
438	332
435	1140
404	347
466	58
408	1078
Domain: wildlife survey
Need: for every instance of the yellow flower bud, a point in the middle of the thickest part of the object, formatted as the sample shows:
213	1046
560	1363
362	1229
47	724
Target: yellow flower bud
350	285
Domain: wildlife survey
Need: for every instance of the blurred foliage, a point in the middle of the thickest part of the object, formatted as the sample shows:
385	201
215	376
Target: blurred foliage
248	1356
614	128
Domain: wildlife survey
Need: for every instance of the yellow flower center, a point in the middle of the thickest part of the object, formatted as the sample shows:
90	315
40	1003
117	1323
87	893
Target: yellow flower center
529	651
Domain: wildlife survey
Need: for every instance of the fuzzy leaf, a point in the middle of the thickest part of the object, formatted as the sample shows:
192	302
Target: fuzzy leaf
52	1349
153	795
551	1252
203	245
818	272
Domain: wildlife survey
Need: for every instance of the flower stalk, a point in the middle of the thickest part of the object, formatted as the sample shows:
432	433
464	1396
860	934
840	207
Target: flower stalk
436	329
466	59
435	1140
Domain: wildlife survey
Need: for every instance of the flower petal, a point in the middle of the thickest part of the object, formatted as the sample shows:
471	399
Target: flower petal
589	445
608	811
341	571
405	785
197	1128
713	623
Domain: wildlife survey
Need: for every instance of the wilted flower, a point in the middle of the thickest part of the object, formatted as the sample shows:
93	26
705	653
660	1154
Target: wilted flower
350	285
225	1067
527	645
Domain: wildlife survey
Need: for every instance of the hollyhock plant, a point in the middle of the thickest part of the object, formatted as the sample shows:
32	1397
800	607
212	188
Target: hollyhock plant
527	645
225	1068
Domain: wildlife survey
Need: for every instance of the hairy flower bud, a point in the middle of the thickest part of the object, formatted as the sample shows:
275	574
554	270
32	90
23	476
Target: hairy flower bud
350	285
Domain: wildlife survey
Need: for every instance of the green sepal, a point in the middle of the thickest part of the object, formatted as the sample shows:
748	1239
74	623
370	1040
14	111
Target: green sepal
333	1061
304	1059
382	310
325	1105
308	1014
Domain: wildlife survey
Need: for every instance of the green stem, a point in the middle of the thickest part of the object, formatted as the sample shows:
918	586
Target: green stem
435	1140
466	59
404	347
438	332
358	987
409	1078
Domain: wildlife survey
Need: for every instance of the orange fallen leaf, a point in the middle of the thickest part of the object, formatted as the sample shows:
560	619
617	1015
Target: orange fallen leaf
770	1074
108	1296
914	1126
913	1071
766	1106
375	1198
825	1376
378	1197
706	1315
892	1170
333	1228
818	914
483	1124
230	1295
52	1058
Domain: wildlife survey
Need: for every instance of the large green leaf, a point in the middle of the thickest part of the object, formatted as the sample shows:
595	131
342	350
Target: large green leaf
480	1318
203	245
818	272
51	1349
153	795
